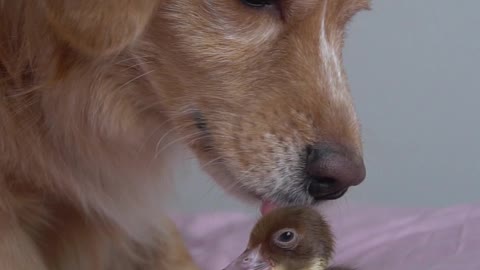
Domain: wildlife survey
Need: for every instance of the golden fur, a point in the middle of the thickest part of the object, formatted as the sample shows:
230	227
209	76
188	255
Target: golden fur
94	93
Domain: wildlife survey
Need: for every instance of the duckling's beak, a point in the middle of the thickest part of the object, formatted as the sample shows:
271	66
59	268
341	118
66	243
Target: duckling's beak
250	259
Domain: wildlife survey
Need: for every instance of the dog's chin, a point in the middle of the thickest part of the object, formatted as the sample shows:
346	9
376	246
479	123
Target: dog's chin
231	186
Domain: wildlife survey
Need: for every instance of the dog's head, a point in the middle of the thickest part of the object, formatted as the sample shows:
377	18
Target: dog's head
255	87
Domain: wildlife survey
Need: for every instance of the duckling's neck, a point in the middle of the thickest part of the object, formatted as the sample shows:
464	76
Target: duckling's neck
316	264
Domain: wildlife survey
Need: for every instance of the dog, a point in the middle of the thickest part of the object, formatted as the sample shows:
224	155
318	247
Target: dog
93	94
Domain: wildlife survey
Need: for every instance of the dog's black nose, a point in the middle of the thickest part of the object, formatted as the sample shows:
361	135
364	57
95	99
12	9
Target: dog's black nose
331	170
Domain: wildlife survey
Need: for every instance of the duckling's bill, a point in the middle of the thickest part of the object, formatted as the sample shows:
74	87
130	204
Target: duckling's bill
253	260
250	260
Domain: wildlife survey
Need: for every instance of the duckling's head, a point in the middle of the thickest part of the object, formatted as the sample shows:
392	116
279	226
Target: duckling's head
291	238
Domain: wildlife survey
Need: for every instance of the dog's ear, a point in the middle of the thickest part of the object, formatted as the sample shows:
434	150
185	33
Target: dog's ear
98	27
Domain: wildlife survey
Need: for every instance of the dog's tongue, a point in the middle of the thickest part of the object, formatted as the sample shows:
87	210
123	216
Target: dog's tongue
267	207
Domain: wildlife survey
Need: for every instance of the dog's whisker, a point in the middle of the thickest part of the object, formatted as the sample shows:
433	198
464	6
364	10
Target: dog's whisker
181	139
135	57
139	64
135	78
165	136
216	160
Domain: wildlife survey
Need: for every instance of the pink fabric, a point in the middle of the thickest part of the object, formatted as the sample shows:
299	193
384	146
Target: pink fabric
368	238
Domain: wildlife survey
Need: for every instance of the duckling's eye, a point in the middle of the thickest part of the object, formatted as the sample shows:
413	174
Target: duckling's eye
286	238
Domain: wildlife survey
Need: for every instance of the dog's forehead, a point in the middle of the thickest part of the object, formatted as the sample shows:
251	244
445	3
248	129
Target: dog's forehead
299	8
313	3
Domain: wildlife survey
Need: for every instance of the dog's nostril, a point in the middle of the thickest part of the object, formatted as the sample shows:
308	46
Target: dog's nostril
331	170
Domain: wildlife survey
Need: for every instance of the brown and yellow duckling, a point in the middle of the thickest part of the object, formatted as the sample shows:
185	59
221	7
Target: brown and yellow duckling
291	238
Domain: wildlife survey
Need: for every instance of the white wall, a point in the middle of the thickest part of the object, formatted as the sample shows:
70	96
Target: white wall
414	69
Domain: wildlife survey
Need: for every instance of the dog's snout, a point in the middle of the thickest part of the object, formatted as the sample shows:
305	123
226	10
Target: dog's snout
331	170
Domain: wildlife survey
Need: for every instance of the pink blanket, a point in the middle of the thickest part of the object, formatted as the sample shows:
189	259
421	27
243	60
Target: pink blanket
368	238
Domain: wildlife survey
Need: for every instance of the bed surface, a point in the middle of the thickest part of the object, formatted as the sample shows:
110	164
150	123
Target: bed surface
369	238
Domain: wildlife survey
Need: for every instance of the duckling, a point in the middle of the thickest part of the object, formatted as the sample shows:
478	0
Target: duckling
290	238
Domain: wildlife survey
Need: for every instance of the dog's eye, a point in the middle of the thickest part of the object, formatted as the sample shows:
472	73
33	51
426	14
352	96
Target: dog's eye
257	3
200	121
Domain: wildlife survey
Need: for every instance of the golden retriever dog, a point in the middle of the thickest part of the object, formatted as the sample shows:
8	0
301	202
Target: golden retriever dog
93	94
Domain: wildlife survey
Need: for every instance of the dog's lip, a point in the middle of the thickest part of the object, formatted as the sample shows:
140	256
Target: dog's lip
267	206
335	195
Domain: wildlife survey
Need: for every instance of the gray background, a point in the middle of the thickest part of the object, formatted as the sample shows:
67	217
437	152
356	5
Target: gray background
414	71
